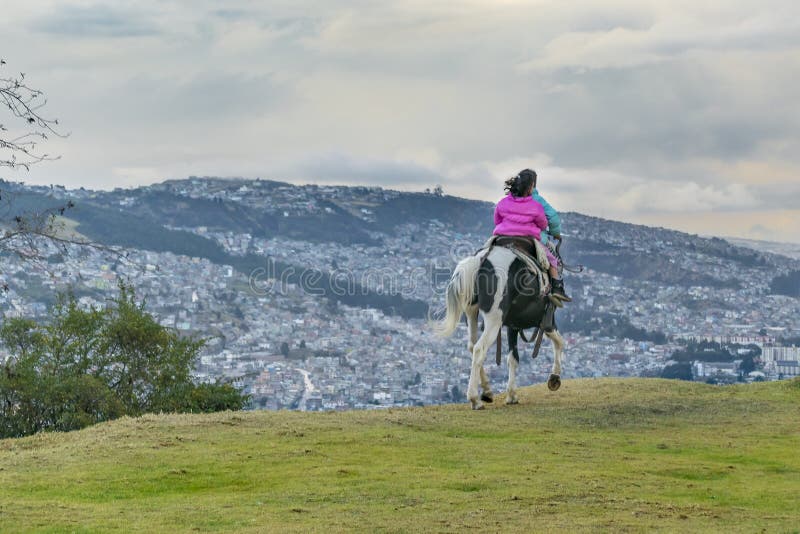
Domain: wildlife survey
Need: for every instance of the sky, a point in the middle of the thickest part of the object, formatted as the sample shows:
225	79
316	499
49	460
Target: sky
669	113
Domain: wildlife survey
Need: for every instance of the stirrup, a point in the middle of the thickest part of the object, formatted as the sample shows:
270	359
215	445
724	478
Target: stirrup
562	297
557	291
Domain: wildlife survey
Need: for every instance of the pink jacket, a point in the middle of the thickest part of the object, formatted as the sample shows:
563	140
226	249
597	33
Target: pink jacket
519	216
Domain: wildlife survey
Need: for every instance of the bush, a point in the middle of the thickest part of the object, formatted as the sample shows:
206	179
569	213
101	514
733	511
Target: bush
82	367
680	371
215	398
788	284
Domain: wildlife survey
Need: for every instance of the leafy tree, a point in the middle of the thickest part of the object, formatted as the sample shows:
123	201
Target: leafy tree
86	366
218	397
789	341
681	371
145	364
704	351
787	284
747	365
588	323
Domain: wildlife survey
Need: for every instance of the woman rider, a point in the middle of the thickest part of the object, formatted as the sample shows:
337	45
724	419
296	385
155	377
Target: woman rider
519	214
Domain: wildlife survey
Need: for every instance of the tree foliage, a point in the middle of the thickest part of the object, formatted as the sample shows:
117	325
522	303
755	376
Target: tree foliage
596	323
680	371
86	366
789	341
787	284
748	365
711	351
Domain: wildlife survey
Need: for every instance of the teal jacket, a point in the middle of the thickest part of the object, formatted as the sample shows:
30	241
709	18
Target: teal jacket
553	219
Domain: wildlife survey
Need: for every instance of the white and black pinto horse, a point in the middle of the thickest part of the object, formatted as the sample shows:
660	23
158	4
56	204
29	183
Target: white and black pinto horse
498	287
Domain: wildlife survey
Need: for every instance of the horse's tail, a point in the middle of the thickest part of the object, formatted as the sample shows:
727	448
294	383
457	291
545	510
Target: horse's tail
460	294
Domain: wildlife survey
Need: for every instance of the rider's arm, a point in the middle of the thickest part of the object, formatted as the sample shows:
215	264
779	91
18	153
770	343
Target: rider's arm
540	220
553	218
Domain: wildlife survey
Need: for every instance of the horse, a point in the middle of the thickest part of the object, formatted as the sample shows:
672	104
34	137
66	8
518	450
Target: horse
499	287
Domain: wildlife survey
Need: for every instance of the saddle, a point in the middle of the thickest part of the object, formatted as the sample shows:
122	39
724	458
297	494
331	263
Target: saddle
525	244
528	250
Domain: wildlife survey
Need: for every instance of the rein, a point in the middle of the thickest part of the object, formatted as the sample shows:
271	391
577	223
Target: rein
564	265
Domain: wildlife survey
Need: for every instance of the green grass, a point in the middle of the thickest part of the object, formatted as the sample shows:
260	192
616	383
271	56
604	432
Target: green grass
598	455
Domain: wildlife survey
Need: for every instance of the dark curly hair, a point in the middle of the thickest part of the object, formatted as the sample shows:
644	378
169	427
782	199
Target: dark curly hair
519	185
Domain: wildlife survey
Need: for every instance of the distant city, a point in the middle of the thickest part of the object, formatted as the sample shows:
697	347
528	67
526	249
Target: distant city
644	295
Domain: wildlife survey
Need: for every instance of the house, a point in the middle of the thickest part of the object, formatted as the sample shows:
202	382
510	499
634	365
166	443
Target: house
788	367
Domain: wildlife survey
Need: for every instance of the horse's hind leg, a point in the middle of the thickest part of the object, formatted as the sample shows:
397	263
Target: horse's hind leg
558	351
513	341
513	362
472	323
486	387
493	322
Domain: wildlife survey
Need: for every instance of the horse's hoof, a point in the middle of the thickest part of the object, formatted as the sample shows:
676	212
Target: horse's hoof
487	397
478	406
554	383
512	402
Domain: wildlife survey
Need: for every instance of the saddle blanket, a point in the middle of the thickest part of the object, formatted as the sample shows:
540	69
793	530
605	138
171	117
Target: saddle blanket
538	266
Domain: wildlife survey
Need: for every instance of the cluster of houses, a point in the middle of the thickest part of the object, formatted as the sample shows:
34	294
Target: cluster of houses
291	349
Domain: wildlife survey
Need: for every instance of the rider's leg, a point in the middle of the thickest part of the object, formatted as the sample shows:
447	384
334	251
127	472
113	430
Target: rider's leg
558	285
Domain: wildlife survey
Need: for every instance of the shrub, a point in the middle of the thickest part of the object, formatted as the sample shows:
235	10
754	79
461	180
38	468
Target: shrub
81	367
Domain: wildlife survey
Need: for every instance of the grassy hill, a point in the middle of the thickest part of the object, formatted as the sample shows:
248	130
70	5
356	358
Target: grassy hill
598	455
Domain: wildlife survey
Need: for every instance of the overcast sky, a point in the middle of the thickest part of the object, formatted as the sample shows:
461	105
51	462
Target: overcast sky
672	113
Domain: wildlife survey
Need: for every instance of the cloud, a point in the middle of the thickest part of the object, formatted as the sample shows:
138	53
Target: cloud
761	231
588	190
341	168
134	176
628	107
673	32
96	21
215	95
785	196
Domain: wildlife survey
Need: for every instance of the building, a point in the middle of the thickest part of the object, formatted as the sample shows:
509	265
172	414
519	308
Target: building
770	355
788	367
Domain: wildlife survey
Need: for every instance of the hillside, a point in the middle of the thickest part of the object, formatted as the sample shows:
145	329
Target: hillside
345	276
145	218
611	455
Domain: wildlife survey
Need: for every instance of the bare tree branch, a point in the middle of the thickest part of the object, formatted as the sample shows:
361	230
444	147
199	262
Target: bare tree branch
28	233
21	149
